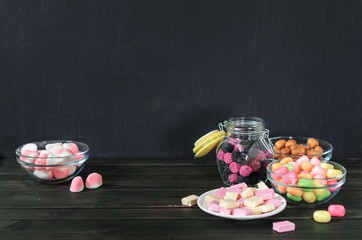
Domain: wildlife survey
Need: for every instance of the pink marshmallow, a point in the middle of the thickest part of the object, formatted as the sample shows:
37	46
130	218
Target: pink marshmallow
239	185
213	206
220	192
71	146
60	172
79	156
241	211
30	146
29	156
265	194
62	151
77	184
275	201
302	159
315	161
94	180
52	145
225	211
283	226
318	170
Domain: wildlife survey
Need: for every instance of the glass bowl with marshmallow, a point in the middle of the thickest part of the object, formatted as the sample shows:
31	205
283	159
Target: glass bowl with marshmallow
52	161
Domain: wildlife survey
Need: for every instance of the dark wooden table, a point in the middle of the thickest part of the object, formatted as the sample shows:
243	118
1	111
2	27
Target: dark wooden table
141	199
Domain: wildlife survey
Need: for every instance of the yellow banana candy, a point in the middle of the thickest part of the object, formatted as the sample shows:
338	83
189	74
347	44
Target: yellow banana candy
206	139
206	143
206	136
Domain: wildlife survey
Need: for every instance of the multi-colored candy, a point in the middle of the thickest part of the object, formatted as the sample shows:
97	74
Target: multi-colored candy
304	179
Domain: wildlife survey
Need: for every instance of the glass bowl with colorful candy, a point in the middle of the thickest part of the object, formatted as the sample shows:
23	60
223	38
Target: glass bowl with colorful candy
295	147
306	181
52	161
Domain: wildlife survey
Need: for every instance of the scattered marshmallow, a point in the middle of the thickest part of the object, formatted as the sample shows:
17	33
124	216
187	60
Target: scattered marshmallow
283	226
94	180
77	184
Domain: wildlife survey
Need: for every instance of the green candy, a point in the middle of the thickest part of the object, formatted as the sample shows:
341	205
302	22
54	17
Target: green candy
290	167
304	182
323	196
294	198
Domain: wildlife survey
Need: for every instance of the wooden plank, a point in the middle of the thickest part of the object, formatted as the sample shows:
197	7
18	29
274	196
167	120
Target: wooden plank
173	229
171	213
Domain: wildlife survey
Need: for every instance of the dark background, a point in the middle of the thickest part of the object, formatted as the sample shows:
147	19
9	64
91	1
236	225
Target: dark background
146	78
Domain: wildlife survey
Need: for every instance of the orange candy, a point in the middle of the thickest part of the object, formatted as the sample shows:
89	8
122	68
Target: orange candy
286	160
307	166
295	191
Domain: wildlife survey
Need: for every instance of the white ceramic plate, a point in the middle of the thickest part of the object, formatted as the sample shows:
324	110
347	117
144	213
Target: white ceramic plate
201	201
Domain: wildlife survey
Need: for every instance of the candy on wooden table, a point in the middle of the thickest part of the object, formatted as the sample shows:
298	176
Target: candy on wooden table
253	201
337	210
283	226
227	203
187	201
94	180
322	216
77	184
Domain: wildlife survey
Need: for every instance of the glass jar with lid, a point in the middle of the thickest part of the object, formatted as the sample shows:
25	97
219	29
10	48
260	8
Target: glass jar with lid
245	152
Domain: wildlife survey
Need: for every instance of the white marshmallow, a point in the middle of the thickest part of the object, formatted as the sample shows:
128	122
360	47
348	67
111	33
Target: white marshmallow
30	146
71	146
43	174
51	145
